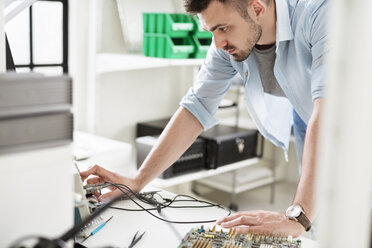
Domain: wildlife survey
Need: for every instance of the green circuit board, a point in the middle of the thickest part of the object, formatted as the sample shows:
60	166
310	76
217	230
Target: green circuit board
202	238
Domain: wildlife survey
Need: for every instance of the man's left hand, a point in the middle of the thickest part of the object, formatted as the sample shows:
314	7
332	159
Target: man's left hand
262	222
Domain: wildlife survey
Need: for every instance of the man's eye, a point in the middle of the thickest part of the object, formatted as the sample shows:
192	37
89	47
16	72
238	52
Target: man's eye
223	29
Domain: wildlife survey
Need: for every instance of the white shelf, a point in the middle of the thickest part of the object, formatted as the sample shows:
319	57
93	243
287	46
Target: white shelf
245	179
111	62
239	188
162	183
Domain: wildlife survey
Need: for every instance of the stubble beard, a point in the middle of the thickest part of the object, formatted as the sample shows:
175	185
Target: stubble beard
242	54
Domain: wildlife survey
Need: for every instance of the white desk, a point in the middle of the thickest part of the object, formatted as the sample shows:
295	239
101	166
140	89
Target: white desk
121	229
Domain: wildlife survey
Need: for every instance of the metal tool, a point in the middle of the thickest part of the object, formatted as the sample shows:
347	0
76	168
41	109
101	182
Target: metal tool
135	239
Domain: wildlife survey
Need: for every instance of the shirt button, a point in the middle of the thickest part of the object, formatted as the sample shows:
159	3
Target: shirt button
246	74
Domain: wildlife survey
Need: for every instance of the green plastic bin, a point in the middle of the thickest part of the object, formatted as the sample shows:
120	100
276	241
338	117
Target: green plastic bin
198	31
174	25
201	46
164	46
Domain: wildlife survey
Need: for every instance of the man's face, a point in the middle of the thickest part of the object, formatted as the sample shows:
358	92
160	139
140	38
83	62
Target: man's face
231	32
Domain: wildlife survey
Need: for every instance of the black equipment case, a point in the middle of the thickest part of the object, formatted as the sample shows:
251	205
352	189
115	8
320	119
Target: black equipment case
151	127
193	159
229	144
222	144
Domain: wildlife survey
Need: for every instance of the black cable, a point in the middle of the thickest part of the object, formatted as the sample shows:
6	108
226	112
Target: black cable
42	242
170	201
165	220
140	197
151	201
162	205
125	189
140	210
209	204
168	204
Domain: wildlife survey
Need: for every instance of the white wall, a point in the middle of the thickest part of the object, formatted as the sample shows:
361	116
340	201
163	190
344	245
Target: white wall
78	57
125	98
110	29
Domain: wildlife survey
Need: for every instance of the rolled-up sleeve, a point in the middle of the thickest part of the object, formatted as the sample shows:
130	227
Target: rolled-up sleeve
319	48
210	87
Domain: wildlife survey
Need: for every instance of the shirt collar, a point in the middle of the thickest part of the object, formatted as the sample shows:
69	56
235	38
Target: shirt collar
283	22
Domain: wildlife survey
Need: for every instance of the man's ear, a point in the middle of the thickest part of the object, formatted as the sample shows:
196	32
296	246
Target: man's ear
256	9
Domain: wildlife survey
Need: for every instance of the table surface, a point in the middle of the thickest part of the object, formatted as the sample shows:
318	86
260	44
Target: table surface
120	230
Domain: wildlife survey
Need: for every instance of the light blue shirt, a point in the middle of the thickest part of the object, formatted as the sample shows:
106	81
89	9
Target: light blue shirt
301	46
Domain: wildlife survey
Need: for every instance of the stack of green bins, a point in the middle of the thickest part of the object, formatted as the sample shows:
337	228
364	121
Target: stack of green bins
201	38
167	35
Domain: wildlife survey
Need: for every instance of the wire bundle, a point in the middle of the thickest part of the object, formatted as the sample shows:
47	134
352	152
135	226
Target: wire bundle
165	203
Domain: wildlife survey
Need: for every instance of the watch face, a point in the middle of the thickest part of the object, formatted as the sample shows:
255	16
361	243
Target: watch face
293	211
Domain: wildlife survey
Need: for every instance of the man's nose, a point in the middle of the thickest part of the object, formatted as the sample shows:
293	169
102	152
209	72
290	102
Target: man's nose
219	41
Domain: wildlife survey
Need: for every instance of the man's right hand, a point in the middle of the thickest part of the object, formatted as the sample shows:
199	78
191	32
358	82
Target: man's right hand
102	175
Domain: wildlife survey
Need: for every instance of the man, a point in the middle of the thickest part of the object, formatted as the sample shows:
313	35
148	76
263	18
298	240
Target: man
278	48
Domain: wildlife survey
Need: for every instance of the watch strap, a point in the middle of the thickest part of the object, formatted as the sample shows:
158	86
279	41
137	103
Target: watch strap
304	221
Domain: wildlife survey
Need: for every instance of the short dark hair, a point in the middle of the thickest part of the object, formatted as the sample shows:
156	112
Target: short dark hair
197	6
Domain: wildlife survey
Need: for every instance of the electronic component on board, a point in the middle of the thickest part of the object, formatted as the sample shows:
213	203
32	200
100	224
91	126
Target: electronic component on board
210	238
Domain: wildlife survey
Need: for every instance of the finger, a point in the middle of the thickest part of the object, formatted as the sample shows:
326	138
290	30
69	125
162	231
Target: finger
241	220
252	229
97	194
97	171
112	188
84	175
251	213
108	196
90	171
229	218
237	215
95	180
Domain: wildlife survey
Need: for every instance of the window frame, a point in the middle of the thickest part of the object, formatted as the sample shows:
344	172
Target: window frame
64	63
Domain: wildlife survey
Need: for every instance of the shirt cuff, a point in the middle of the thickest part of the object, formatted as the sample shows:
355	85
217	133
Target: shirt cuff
317	94
192	104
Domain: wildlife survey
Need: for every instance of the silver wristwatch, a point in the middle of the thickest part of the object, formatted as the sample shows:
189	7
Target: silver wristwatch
296	213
